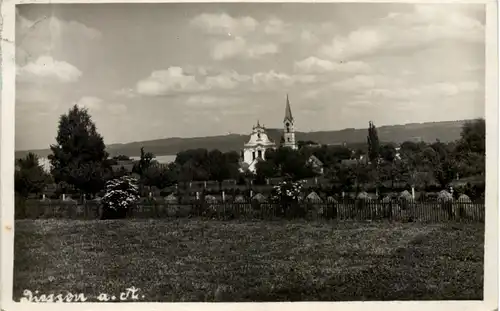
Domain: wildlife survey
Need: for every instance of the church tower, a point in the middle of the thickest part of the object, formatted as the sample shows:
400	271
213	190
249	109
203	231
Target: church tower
289	129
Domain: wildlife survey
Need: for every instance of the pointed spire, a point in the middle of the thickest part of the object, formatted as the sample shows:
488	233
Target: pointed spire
288	110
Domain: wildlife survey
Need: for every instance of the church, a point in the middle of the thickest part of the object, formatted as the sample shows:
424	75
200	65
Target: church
255	149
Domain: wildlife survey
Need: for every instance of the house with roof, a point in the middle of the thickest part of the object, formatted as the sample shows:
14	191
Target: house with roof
316	164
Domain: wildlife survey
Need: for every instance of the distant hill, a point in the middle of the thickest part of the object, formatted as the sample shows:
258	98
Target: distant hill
444	131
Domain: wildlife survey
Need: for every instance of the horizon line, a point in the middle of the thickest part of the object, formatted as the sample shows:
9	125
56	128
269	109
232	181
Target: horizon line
271	128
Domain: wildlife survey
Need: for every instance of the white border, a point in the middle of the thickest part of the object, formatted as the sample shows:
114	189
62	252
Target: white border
490	301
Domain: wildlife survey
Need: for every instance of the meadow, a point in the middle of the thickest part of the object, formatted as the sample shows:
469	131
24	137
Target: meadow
210	260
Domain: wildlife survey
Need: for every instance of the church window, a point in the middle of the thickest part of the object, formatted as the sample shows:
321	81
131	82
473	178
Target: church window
260	154
288	139
258	135
288	127
253	155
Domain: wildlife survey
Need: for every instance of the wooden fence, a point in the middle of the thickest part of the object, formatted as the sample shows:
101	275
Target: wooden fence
355	210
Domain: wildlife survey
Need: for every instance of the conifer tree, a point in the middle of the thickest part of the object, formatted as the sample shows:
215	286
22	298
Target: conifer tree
79	157
373	143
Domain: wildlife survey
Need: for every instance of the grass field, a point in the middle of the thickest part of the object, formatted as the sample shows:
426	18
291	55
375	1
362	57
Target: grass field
193	260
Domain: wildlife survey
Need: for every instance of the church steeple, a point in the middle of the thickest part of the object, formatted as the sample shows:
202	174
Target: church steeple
288	110
289	130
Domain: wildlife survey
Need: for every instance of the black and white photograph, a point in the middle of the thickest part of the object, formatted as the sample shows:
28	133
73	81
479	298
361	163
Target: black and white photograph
250	152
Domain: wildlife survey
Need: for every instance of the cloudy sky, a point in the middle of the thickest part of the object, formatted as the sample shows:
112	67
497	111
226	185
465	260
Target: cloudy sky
149	71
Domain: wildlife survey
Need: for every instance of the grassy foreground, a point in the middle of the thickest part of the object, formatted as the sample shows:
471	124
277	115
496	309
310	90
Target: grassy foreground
194	260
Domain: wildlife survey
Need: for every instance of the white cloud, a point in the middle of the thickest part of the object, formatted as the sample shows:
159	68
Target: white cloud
46	69
273	79
225	80
223	24
358	42
239	47
90	102
314	65
165	82
243	37
275	26
426	24
48	35
176	80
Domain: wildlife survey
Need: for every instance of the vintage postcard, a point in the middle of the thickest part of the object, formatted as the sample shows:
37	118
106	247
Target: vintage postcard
216	155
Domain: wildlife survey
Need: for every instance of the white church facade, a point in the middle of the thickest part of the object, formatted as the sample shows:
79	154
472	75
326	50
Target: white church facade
255	149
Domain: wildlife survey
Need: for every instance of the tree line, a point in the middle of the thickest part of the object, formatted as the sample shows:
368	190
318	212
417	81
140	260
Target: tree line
79	162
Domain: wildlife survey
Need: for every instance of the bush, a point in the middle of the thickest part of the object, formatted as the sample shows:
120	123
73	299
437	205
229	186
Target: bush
121	194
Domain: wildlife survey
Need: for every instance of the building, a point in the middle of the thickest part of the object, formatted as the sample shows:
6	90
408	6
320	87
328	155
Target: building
289	127
255	149
316	164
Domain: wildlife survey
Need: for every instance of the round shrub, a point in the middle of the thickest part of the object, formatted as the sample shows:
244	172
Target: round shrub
121	193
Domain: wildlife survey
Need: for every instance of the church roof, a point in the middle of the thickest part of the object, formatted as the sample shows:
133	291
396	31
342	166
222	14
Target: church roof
259	137
288	110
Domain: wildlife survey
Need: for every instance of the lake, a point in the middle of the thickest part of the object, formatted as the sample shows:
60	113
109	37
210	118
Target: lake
163	159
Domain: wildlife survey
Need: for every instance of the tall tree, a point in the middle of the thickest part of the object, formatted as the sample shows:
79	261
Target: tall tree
473	137
79	156
144	162
373	143
373	155
218	168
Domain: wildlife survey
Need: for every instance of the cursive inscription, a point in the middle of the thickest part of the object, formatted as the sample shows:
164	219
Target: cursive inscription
29	296
129	294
